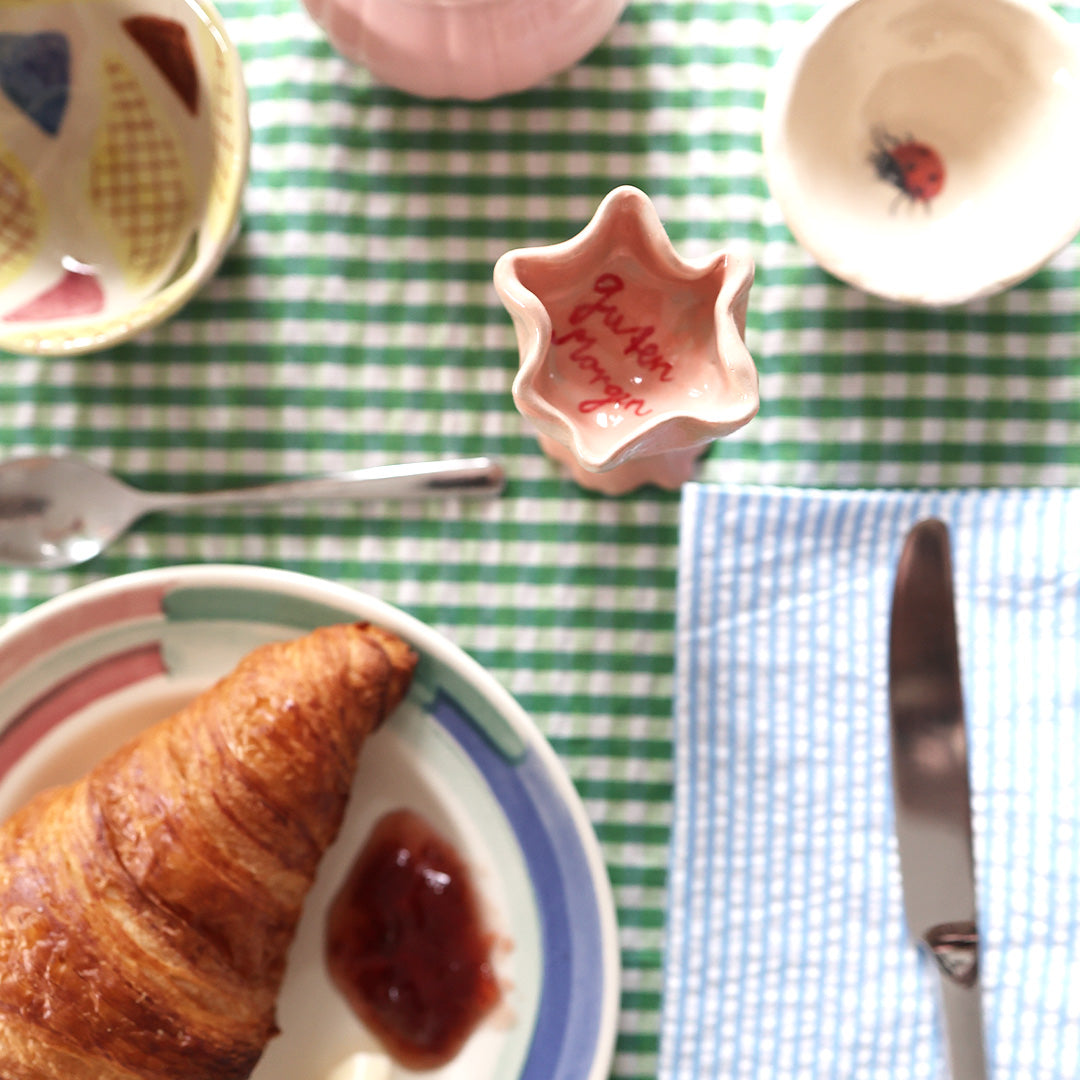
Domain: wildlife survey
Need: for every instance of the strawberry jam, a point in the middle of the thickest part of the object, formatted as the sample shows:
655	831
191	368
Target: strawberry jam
406	946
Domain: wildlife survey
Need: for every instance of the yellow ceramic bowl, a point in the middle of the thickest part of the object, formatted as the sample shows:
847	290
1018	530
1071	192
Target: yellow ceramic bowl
123	155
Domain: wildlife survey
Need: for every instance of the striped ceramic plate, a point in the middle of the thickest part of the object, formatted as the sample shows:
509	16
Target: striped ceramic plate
81	673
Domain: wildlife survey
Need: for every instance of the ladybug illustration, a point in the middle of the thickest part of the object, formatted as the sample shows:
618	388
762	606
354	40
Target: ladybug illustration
912	167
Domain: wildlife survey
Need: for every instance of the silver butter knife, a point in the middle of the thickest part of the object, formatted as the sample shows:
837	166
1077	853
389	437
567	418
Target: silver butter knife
931	787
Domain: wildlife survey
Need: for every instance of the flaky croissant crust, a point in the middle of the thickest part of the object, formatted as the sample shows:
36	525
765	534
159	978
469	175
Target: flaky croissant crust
147	909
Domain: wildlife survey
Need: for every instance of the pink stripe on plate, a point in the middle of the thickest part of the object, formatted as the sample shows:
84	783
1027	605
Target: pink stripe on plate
67	698
70	622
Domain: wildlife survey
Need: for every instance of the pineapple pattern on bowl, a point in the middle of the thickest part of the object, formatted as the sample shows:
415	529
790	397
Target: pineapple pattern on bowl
123	154
633	360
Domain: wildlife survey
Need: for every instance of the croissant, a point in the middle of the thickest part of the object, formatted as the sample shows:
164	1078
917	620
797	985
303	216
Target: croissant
147	909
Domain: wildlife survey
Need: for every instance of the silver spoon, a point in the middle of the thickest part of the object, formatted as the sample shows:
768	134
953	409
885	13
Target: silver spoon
61	511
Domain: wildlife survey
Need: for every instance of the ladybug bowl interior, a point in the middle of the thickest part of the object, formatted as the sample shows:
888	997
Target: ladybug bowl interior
926	151
123	155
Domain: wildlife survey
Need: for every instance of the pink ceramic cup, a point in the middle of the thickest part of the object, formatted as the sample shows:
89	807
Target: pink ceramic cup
633	359
472	49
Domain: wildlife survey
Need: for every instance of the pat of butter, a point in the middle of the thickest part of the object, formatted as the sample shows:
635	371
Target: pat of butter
362	1067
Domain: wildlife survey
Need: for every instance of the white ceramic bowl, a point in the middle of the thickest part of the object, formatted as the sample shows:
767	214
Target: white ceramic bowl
82	673
123	155
927	151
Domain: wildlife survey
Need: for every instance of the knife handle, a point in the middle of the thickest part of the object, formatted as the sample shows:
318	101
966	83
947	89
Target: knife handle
962	1009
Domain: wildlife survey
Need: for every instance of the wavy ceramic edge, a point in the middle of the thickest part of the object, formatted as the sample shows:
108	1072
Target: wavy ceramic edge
677	436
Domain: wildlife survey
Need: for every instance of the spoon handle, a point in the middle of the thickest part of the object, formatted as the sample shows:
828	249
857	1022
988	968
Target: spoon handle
474	477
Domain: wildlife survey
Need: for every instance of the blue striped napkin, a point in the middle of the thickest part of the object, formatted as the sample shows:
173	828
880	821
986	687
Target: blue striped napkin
787	954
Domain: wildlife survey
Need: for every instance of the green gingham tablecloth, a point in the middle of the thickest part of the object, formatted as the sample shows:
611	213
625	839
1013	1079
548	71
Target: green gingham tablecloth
354	323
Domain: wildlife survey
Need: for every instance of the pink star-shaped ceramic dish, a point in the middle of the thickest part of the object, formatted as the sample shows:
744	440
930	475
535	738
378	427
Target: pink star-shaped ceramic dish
632	358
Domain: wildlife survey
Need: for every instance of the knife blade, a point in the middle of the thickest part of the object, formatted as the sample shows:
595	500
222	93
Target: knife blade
931	786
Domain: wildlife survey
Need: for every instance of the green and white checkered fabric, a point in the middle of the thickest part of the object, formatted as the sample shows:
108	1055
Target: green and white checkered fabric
354	323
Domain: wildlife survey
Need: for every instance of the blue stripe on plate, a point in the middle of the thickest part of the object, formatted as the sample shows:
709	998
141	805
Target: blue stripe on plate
564	1044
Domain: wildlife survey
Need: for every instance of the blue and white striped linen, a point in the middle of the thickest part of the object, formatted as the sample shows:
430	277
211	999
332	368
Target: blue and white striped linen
787	954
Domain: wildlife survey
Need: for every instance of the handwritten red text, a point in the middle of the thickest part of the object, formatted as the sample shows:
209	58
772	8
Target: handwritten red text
637	344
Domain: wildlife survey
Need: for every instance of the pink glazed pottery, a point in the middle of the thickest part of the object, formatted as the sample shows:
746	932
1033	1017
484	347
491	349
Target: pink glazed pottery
472	49
927	153
632	359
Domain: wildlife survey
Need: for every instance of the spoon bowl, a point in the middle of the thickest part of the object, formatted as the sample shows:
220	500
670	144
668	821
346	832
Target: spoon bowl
60	511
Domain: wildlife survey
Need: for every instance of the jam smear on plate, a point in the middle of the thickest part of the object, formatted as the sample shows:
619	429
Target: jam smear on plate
406	945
